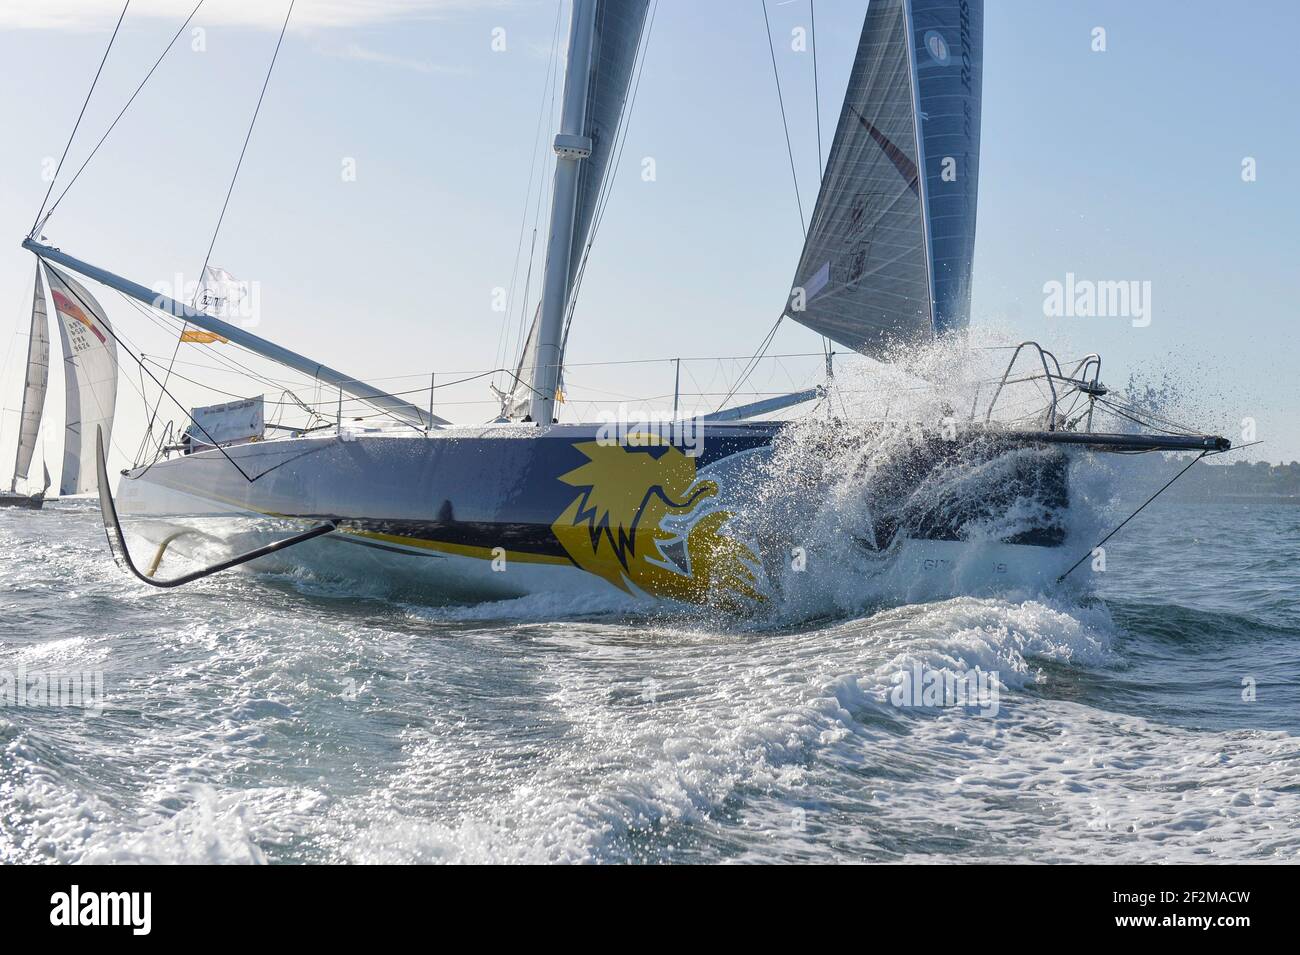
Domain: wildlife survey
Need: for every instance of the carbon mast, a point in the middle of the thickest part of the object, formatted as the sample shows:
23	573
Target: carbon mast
572	148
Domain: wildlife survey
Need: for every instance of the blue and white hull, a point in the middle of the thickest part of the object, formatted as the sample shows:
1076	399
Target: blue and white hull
508	510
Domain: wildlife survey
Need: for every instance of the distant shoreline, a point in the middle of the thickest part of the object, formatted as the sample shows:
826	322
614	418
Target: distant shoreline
1244	482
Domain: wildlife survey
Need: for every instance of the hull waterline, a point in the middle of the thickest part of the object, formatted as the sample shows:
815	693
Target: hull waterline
30	502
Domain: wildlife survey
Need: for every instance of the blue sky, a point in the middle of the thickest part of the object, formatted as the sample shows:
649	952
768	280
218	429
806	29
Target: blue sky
1124	164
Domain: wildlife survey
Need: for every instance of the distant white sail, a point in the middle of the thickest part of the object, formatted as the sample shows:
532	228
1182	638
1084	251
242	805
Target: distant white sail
90	370
36	381
889	251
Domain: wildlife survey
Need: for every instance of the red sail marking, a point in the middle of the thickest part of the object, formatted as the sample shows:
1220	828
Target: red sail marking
67	307
901	162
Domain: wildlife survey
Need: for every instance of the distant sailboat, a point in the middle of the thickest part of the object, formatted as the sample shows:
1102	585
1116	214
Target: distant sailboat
90	378
526	504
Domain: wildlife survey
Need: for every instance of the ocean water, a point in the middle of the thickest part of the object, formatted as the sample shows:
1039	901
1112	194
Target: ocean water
1153	715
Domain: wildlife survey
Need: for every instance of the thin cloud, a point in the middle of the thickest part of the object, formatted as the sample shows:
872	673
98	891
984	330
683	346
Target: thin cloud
363	54
268	14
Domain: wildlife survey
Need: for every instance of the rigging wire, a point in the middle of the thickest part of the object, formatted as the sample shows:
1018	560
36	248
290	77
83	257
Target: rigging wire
1121	524
126	344
602	200
817	97
247	137
544	190
75	126
128	347
817	113
112	125
794	177
528	196
1115	409
780	98
228	364
753	363
231	189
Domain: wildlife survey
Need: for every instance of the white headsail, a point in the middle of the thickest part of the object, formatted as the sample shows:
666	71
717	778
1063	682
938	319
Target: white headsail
890	248
90	371
35	383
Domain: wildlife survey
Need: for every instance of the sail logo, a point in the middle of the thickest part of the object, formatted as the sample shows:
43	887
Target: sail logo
642	519
937	47
131	909
1085	298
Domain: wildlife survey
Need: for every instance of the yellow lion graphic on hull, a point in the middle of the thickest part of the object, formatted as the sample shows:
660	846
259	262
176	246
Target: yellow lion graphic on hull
615	527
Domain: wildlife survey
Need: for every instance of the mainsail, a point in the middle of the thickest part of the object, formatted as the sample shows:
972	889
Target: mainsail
603	42
90	372
889	251
36	380
619	24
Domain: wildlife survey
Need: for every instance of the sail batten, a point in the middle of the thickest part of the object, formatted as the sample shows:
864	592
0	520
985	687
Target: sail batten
35	382
888	257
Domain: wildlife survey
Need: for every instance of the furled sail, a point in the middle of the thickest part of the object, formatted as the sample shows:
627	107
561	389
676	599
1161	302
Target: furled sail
516	400
518	395
90	371
890	248
35	383
619	24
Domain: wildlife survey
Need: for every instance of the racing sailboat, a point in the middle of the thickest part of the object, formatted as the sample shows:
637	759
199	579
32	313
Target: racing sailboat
90	383
527	503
